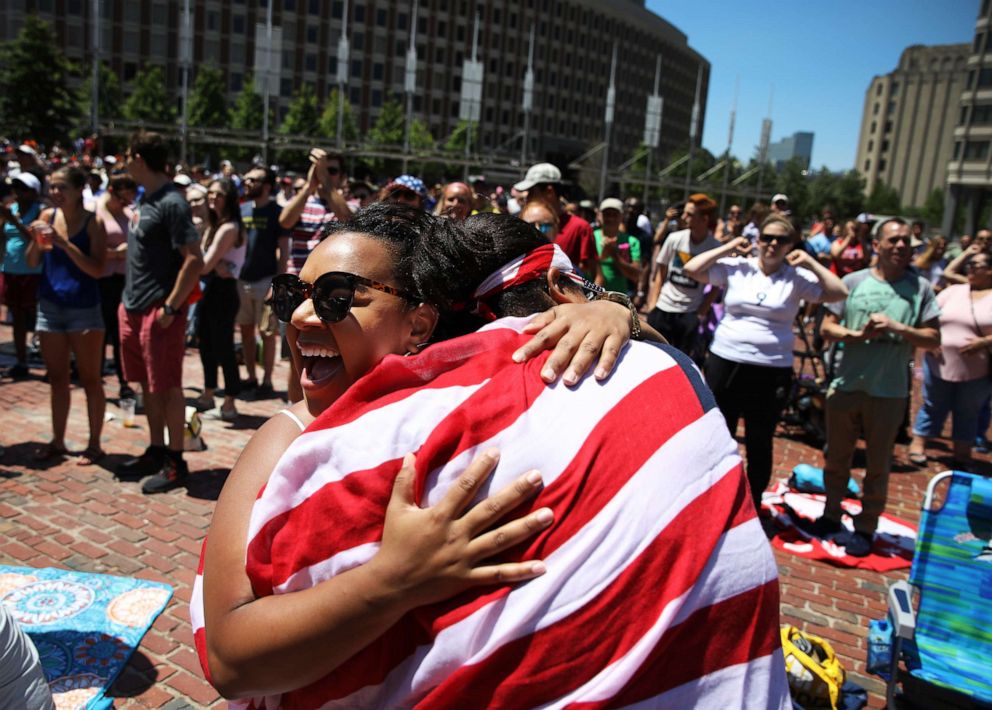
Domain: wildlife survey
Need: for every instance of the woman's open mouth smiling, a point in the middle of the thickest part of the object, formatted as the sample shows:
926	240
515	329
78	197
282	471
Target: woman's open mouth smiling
320	364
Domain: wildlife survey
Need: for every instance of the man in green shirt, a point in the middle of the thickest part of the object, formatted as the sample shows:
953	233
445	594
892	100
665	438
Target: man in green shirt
890	310
619	252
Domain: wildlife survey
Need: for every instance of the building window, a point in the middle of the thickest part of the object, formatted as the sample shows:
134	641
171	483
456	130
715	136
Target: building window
312	35
381	17
979	43
881	165
337	9
359	13
871	146
236	80
332	65
957	150
981	114
874	110
314	7
356	67
888	126
286	87
976	150
894	89
376	97
311	62
985	77
358	40
401	21
891	108
356	96
377	71
442	29
964	115
212	21
885	145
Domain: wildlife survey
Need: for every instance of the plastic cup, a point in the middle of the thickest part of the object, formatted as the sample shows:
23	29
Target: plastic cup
42	234
127	411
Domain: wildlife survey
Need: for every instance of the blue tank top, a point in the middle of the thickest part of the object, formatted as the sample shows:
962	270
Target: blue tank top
63	282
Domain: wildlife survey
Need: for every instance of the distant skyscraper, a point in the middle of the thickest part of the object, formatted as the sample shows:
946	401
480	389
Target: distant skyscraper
798	145
908	121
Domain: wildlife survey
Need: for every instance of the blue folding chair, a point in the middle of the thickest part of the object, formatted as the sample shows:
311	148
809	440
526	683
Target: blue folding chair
946	643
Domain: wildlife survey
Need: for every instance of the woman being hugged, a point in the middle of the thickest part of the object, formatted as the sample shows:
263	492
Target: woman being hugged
749	367
223	255
71	246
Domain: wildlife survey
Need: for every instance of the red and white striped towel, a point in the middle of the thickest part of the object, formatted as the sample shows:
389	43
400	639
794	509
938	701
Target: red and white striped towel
661	589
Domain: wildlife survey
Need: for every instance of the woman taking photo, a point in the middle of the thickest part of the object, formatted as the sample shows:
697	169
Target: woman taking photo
749	366
71	246
852	252
113	209
956	377
223	256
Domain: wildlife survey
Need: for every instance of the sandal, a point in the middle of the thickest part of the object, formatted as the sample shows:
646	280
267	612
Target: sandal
49	451
91	456
917	458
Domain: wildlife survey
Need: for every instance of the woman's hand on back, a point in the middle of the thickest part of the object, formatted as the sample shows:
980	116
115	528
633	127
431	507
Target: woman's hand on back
579	335
431	554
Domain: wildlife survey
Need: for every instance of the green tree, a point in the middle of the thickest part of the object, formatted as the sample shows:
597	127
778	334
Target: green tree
844	192
793	180
149	100
302	117
932	211
389	125
329	119
35	98
247	115
456	140
883	199
110	100
208	99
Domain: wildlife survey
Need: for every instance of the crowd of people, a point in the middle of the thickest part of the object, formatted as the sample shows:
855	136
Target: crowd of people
120	264
140	257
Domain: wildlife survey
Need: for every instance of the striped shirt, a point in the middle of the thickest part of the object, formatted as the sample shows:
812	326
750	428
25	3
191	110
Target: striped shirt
305	234
661	588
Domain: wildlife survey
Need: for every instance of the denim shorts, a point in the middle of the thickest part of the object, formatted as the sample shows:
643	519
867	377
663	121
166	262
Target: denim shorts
53	318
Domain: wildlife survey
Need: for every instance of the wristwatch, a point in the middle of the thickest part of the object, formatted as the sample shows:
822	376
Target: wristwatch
169	310
624	300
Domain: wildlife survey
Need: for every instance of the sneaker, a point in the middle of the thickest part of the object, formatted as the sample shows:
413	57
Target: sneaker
171	474
824	528
228	415
264	391
856	544
148	463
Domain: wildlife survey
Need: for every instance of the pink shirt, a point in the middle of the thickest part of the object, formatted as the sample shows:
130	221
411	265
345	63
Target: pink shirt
116	235
958	315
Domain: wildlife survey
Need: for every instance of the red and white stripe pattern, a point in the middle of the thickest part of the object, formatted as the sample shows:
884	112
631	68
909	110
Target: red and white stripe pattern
661	588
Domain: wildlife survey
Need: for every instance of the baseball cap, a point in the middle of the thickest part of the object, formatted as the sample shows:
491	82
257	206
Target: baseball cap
611	203
183	180
28	180
410	182
25	148
780	198
539	174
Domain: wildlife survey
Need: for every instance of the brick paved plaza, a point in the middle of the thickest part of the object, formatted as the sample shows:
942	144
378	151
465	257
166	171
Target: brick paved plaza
63	515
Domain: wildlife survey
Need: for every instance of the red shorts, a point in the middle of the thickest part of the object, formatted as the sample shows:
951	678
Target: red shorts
150	354
20	290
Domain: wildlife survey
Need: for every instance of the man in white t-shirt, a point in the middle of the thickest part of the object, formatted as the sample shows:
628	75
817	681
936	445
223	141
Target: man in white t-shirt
677	303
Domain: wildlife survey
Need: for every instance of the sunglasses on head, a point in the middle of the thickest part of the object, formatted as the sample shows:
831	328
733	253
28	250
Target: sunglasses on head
777	238
332	294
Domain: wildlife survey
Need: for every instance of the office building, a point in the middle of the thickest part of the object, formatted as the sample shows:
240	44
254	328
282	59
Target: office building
969	169
908	120
798	145
572	56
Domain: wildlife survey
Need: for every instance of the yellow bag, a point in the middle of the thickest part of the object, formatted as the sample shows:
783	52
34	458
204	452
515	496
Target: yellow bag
815	674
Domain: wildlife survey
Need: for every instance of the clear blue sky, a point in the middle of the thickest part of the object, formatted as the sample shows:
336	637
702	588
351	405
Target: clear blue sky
819	55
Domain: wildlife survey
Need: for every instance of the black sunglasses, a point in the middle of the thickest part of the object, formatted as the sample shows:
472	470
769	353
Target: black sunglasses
332	294
769	238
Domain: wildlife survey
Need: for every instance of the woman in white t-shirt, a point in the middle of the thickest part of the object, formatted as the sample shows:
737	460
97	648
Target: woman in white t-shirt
749	366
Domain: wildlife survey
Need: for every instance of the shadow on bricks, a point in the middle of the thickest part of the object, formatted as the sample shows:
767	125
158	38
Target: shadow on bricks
23	454
206	484
138	676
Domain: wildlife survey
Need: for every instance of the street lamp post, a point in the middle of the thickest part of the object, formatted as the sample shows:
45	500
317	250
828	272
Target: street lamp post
693	127
410	84
528	104
611	100
652	125
185	61
343	53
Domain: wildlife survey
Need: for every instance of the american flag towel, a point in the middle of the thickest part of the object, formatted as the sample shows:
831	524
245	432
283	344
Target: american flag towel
661	589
